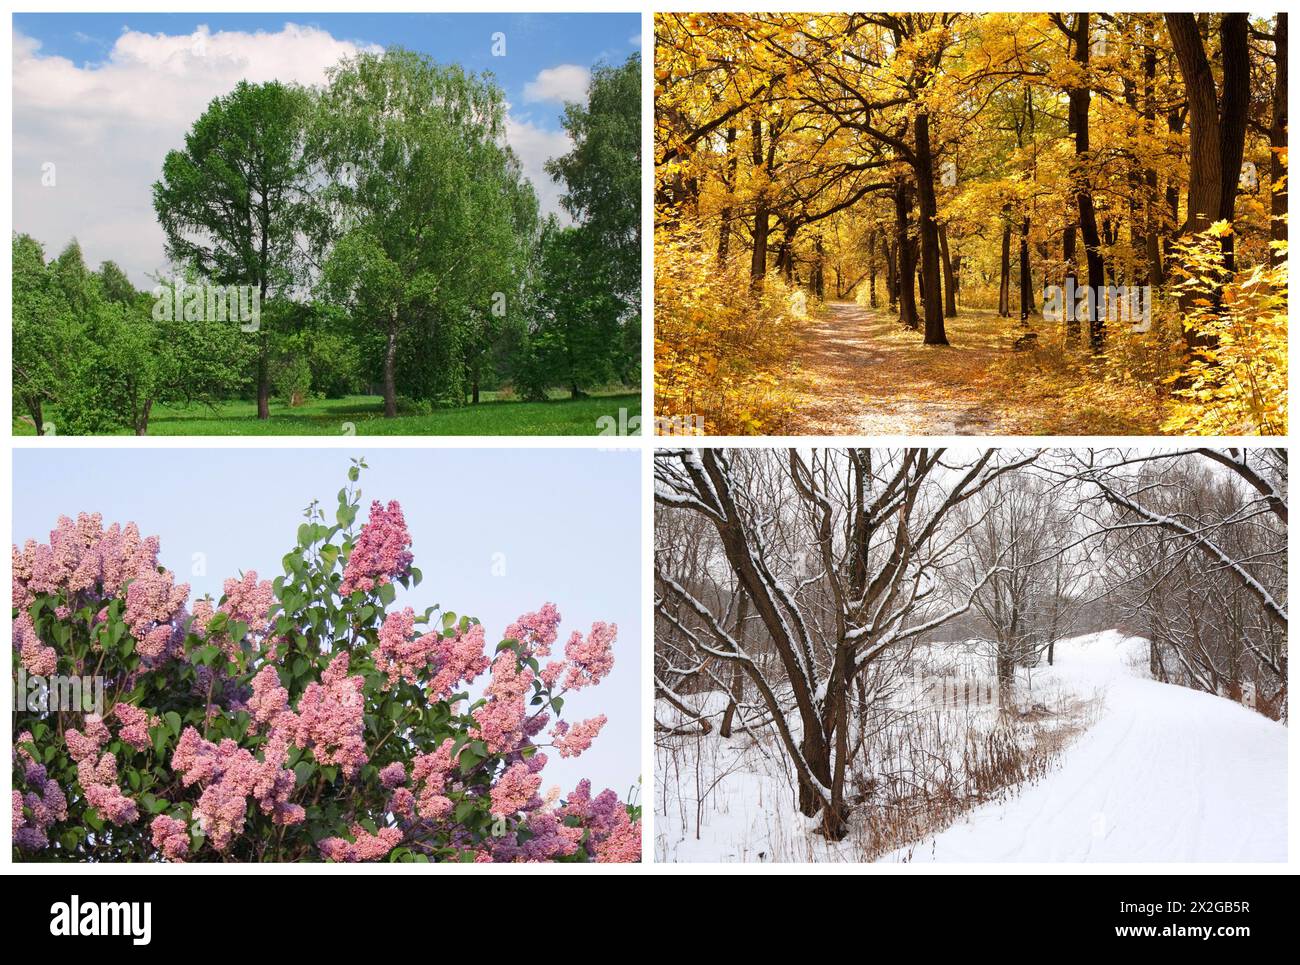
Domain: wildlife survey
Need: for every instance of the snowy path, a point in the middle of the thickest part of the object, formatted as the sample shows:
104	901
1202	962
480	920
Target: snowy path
1166	774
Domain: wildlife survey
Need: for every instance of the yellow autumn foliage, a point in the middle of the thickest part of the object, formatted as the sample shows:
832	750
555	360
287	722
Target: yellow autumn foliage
1235	382
723	353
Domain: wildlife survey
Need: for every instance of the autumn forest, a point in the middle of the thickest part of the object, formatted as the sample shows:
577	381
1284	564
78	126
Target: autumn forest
957	223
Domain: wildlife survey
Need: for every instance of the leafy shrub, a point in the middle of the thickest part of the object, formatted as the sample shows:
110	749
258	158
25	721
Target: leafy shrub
722	351
296	719
1235	382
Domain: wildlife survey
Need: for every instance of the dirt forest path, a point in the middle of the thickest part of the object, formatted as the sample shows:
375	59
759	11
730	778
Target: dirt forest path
866	375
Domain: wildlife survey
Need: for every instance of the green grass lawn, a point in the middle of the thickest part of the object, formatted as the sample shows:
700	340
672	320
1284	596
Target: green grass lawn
363	415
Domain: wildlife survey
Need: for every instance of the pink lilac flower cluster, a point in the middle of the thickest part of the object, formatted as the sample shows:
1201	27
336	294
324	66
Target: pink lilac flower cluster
246	600
40	806
249	601
230	775
600	826
329	722
403	654
171	837
380	554
83	563
536	631
155	613
37	658
590	660
571	741
97	773
459	659
394	775
135	725
366	847
82	557
451	660
514	789
613	836
429	773
500	719
331	718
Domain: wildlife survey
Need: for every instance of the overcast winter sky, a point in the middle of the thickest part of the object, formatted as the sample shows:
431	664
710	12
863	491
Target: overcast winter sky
105	96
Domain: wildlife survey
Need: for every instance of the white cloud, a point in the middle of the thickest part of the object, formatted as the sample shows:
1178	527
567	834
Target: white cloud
557	85
534	146
107	126
635	40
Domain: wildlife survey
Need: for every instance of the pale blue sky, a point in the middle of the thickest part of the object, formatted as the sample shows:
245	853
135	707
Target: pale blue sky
566	523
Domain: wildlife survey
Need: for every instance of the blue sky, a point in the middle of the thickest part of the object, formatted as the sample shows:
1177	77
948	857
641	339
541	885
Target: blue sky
496	533
102	97
534	42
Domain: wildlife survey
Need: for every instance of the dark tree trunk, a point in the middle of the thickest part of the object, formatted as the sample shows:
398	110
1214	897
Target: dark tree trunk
931	293
1080	101
1004	281
1026	280
390	373
729	182
891	273
1155	263
1216	141
871	265
906	265
949	276
1235	55
1277	138
818	278
1173	196
737	684
758	258
1070	283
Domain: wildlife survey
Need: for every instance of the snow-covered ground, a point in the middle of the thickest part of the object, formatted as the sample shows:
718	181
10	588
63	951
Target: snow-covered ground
1162	774
1166	774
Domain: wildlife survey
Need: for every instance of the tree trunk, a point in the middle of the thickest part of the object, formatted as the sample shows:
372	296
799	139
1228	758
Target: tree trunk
1155	263
1172	193
263	378
818	278
906	265
1216	140
736	690
142	421
729	181
1235	56
758	258
949	276
871	265
390	372
931	294
1026	280
1277	139
1004	282
891	273
1080	102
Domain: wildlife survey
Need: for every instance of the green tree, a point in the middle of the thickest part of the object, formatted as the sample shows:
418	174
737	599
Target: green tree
43	330
126	362
602	174
232	202
115	285
578	338
424	212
